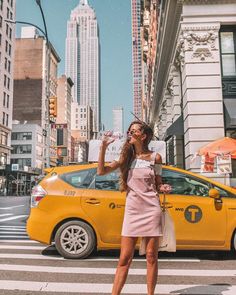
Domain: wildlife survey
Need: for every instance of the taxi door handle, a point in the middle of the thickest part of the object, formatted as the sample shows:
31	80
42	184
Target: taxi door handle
167	205
92	201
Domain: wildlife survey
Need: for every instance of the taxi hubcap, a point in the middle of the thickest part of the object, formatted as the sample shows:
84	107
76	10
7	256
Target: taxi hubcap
74	239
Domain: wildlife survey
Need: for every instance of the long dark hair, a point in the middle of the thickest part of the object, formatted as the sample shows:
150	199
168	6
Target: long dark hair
128	152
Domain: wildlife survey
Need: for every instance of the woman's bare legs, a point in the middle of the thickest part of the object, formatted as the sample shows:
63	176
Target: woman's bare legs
126	256
152	257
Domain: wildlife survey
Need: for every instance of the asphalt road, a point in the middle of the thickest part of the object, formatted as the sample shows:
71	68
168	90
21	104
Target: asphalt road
14	210
31	268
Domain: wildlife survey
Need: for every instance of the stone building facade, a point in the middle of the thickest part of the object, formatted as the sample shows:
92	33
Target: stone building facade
193	88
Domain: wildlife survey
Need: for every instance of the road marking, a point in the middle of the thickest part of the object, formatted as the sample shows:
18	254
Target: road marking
5	247
12	207
12	229
13	232
13	218
12	226
106	288
13	236
6	214
19	241
41	257
143	259
132	271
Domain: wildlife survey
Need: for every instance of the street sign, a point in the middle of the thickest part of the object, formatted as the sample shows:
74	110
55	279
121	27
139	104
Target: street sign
224	164
59	126
14	167
114	149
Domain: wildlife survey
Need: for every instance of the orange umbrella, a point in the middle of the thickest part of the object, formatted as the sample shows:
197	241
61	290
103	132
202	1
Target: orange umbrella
223	146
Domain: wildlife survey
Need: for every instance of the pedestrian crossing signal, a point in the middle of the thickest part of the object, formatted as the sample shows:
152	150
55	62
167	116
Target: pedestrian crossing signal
53	107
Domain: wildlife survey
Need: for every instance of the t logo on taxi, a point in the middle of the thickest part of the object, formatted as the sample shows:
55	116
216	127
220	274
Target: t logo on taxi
193	214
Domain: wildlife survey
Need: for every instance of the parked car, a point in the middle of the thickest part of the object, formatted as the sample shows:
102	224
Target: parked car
81	211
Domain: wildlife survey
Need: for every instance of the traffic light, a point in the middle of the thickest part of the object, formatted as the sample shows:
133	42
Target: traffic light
61	151
53	107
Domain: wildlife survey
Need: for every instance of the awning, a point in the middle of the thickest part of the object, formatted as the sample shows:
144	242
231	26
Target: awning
230	113
177	128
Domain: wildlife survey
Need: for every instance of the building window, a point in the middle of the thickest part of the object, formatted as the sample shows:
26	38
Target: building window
8	83
8	13
9	49
21	162
228	51
3	159
9	66
4	98
21	135
3	138
3	118
21	149
5	80
7	29
8	100
10	33
5	65
6	47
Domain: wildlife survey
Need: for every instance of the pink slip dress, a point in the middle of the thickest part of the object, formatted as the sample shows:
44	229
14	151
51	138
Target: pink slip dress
143	214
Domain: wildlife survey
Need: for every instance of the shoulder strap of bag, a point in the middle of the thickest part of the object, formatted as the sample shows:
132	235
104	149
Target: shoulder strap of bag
153	157
164	202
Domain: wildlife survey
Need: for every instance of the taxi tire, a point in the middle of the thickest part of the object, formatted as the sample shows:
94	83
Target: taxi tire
234	242
91	245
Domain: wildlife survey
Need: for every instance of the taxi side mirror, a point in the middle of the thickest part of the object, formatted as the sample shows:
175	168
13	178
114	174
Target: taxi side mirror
214	193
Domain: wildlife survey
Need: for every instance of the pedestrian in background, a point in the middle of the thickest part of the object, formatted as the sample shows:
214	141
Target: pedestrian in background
141	179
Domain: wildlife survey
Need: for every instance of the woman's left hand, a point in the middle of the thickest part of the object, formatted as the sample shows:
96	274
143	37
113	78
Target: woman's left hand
165	188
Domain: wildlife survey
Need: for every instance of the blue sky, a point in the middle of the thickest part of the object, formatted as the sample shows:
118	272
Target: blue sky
114	19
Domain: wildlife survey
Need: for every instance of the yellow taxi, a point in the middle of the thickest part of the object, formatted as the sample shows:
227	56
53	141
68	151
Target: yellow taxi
81	211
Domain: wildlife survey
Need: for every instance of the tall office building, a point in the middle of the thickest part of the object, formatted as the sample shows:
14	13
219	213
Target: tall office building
83	59
7	40
118	119
136	57
30	83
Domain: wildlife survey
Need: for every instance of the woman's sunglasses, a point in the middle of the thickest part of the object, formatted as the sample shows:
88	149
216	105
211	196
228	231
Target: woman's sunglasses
131	132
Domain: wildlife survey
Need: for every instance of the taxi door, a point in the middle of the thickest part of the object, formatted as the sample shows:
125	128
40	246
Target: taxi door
104	204
199	219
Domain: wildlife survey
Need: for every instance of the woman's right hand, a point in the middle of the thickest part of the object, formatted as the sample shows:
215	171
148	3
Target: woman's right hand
107	139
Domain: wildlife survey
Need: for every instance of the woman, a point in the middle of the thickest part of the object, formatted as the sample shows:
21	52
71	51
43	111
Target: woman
140	178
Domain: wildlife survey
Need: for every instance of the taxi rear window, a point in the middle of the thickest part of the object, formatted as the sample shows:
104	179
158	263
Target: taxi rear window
79	179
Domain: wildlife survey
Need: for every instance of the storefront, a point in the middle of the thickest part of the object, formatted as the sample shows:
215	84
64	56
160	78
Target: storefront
17	183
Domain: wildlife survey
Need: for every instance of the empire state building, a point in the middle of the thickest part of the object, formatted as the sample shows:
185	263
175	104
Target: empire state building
83	59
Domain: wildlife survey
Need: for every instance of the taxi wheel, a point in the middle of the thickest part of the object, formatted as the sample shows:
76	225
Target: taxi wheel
234	242
75	239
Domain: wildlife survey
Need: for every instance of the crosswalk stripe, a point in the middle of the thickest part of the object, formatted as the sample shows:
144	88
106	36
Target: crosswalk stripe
13	236
13	232
106	288
132	271
12	207
12	226
19	241
12	218
8	247
41	257
12	229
